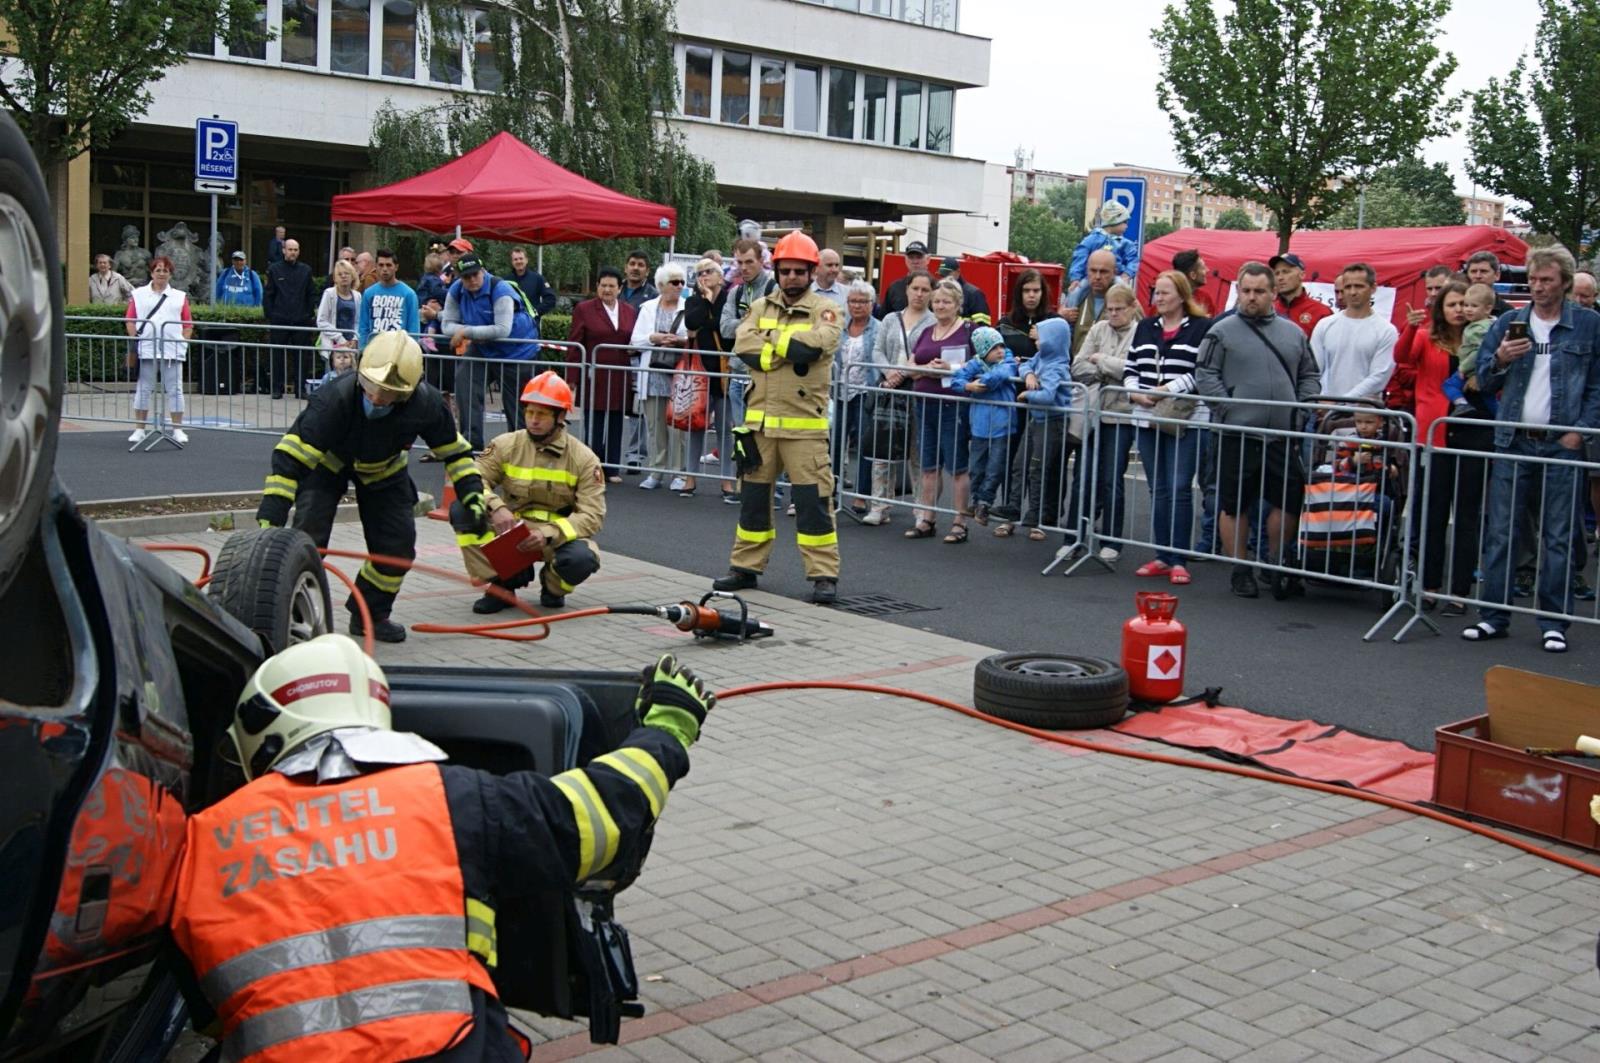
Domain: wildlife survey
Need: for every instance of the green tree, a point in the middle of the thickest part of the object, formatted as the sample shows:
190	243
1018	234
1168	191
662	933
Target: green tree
1038	234
1157	228
80	71
1550	162
1237	219
1432	186
1068	202
1281	97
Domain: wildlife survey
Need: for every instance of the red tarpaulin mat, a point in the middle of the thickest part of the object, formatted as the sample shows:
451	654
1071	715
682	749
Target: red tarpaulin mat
1302	748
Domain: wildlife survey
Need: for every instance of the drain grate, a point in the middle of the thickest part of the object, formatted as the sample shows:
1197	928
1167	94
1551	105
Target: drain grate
880	605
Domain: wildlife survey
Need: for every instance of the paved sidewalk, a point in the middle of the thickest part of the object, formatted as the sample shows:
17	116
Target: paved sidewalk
846	876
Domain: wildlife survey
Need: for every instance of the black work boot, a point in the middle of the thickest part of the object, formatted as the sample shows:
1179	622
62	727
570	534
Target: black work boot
824	591
384	630
1244	582
491	603
550	599
737	579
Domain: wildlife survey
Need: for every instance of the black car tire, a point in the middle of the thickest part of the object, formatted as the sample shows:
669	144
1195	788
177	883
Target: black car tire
32	348
1053	691
272	581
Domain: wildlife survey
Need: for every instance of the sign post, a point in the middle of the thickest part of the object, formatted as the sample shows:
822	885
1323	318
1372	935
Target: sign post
216	173
1130	193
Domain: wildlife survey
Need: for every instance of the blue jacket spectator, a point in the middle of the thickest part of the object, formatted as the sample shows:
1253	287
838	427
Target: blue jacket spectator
1126	250
387	308
239	285
492	317
1053	368
989	419
1574	370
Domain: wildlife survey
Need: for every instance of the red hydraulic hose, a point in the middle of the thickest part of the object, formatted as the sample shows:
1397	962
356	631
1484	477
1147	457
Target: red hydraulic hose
186	548
368	643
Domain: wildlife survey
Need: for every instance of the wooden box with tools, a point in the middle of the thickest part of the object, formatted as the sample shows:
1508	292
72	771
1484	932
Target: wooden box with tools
1504	766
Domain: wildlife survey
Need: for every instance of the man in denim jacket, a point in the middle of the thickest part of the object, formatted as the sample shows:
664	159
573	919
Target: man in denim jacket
1550	377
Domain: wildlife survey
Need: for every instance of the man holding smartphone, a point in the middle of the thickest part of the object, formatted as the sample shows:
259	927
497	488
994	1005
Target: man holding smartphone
1545	361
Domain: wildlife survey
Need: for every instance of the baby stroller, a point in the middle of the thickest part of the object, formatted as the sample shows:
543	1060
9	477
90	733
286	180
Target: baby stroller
1353	499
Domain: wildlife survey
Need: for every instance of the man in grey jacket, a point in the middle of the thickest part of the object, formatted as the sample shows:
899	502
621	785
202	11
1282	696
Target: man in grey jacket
1255	354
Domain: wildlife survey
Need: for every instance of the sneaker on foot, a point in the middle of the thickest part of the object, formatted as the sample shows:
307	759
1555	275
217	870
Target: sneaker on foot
790	510
384	630
737	579
709	458
1109	553
1243	583
180	436
824	591
137	435
1522	589
678	484
650	483
1581	590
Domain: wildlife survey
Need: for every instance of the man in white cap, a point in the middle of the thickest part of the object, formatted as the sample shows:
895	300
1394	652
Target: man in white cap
1108	234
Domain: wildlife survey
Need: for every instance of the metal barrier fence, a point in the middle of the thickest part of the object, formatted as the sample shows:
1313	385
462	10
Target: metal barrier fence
1501	530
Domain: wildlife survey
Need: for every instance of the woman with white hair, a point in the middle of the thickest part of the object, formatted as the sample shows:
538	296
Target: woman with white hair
660	325
858	367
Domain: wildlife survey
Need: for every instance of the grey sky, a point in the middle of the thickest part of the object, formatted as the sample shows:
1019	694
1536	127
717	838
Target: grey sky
1054	65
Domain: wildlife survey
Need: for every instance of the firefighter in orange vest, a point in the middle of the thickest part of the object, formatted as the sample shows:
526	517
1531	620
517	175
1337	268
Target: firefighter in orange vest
788	340
341	905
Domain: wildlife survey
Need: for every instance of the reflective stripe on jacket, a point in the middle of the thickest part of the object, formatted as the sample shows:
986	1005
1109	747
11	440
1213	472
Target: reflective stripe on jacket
781	402
299	956
558	483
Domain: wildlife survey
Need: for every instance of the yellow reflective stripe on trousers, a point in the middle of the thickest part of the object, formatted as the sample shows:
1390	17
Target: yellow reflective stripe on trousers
741	532
474	539
532	472
391	584
482	939
328	946
281	486
343	1011
598	836
830	539
646	774
566	527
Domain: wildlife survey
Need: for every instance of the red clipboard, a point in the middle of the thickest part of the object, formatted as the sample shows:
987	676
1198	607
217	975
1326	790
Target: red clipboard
503	554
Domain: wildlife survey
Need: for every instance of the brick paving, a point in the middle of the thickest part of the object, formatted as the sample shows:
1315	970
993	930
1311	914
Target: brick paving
848	876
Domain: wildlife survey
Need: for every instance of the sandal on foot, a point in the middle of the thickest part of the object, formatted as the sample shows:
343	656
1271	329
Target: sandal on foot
1483	631
1555	642
1153	568
1179	575
958	534
1037	535
1003	531
923	529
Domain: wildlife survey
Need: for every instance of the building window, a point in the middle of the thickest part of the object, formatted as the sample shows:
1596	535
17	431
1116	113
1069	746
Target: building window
485	60
697	81
941	118
299	39
257	48
807	90
446	35
908	114
915	11
942	14
841	103
875	108
352	37
736	88
399	39
773	72
884	8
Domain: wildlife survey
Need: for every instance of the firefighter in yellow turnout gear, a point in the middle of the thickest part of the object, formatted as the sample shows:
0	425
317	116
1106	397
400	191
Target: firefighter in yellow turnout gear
548	479
788	340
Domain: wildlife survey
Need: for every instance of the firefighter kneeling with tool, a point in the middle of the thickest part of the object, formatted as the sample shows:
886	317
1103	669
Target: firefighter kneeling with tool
360	427
341	905
788	340
550	481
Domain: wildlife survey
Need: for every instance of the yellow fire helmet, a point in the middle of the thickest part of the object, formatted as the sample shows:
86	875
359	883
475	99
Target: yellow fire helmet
309	689
393	362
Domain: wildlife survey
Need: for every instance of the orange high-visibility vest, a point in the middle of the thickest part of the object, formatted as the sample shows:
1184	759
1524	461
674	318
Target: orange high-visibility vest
329	922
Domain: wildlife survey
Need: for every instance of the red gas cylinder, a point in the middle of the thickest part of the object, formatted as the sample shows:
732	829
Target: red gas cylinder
1153	645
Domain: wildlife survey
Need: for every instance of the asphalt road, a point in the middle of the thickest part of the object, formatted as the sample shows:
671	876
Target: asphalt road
1294	659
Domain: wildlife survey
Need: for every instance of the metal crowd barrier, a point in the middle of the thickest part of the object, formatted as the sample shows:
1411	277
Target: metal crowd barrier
1484	509
650	411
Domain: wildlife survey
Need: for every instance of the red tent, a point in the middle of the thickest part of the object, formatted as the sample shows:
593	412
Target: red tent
504	190
1400	257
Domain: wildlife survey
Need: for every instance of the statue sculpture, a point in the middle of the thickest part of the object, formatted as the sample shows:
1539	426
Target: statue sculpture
188	258
131	260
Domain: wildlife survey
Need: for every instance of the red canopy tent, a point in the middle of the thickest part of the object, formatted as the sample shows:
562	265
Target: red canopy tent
504	190
1400	257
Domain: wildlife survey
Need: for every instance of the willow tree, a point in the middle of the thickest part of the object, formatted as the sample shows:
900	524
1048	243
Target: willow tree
585	83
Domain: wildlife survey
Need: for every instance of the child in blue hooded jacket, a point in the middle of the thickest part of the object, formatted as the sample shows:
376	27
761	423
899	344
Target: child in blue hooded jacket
990	377
1047	390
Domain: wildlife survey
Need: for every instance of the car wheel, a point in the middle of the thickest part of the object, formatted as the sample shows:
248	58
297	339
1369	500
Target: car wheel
272	581
1054	691
32	347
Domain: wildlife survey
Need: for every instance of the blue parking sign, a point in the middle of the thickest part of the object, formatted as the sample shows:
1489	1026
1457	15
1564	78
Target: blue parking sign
216	150
1128	191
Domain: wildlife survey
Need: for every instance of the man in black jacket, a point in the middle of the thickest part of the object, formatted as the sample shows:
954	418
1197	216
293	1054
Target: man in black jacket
290	300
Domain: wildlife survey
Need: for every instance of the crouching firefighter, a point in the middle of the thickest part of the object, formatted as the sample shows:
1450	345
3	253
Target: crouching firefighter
788	340
359	427
547	479
341	905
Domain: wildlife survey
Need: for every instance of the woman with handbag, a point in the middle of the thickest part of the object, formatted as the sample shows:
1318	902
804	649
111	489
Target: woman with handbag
890	416
1160	368
160	325
660	327
702	316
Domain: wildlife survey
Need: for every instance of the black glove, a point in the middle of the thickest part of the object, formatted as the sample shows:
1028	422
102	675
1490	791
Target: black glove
674	700
746	455
273	512
464	521
475	514
800	353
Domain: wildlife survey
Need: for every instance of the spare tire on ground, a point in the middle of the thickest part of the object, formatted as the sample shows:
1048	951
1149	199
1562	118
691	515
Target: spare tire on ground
272	581
1054	691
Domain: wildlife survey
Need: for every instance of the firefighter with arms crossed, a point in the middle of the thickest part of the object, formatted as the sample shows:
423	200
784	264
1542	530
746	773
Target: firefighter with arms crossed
341	905
551	481
788	340
360	427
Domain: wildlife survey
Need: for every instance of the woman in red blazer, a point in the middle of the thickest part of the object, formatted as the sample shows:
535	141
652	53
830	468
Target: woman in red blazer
607	396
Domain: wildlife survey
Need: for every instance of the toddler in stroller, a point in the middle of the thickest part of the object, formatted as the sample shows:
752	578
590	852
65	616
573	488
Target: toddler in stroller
1347	519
